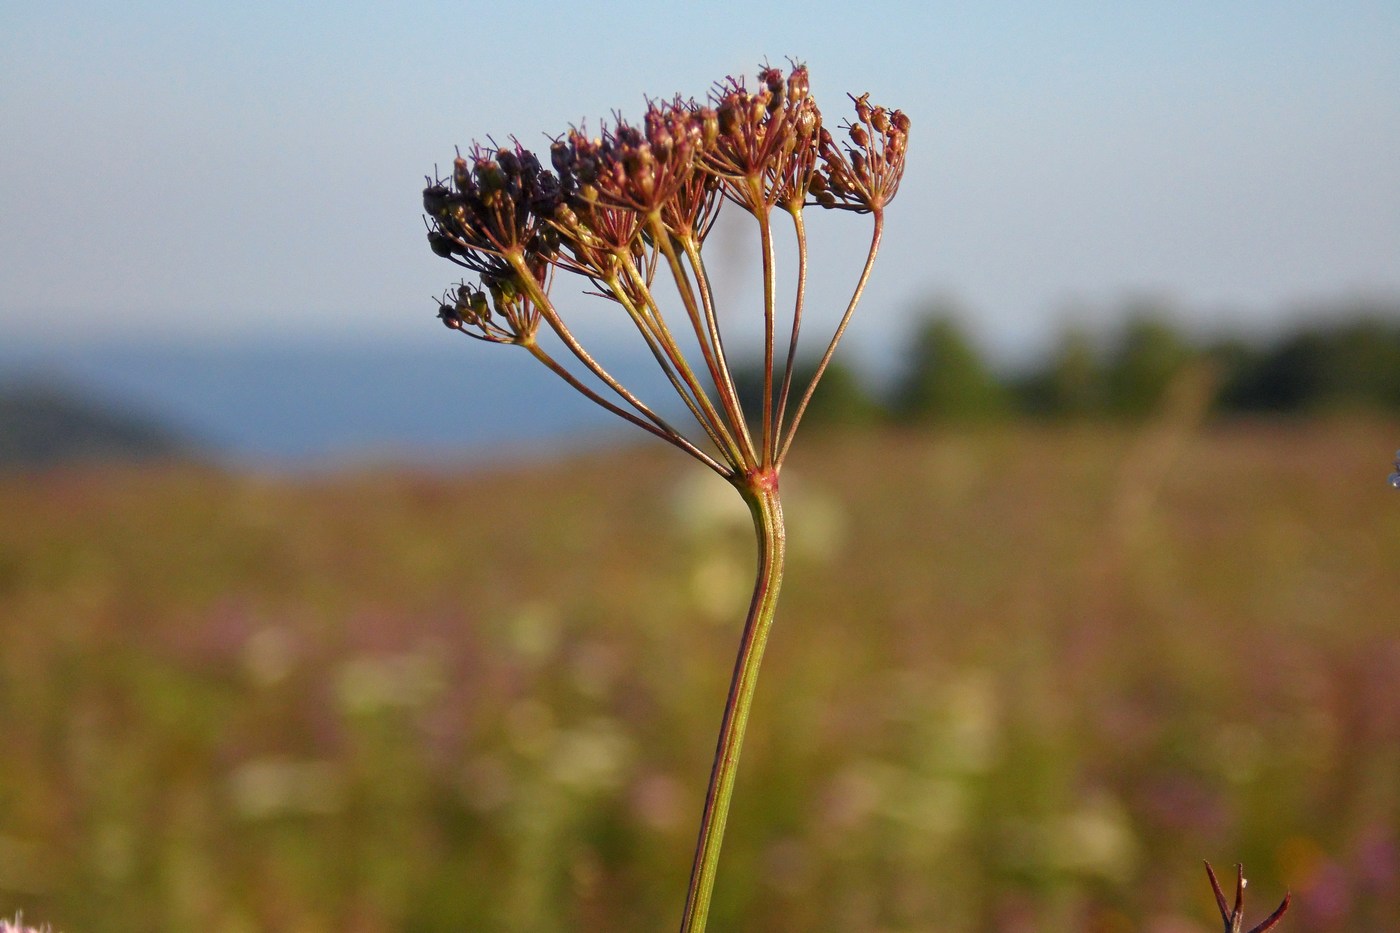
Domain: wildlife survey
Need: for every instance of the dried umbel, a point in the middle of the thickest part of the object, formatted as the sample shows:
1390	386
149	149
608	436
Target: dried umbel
621	205
636	201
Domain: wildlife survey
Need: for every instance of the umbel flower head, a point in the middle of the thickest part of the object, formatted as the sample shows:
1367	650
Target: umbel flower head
634	200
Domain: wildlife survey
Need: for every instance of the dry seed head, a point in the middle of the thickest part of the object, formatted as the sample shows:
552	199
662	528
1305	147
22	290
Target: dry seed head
636	168
767	136
865	174
497	312
501	214
490	208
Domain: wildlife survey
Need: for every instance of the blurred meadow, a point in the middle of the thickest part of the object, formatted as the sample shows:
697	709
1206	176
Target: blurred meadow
1025	677
1049	637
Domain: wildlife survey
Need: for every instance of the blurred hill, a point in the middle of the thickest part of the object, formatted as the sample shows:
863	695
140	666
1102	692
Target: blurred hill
300	403
44	425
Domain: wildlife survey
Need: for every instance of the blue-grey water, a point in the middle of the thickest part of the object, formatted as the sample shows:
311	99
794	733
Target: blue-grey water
315	404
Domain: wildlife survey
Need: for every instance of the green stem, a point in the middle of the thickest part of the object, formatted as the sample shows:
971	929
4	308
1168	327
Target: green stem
770	313
875	236
760	491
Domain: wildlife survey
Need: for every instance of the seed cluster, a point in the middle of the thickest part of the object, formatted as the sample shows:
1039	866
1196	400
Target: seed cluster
617	206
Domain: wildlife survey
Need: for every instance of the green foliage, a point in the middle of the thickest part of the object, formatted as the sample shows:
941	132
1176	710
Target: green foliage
1348	360
1150	352
841	397
1352	365
1071	383
945	378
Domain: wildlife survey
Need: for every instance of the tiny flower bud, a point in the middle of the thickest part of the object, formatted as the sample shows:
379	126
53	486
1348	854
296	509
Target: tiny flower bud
565	217
798	87
863	108
549	241
586	167
503	291
559	156
879	119
440	244
448	315
709	127
489	176
859	136
728	118
661	143
435	199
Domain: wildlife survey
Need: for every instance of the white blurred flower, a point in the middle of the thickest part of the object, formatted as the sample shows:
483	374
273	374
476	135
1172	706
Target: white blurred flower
369	683
592	757
276	786
1096	839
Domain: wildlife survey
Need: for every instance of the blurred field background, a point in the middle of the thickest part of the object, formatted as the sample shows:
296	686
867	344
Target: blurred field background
316	620
1025	677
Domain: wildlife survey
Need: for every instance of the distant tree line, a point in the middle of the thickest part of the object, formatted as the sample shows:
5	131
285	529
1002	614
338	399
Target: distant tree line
1348	359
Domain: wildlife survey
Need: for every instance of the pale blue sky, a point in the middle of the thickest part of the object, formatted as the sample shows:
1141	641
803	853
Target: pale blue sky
252	170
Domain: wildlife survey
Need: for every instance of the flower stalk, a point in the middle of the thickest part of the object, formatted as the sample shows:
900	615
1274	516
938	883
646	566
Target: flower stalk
765	505
616	210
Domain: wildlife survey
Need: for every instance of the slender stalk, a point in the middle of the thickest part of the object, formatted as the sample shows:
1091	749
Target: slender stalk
714	359
667	358
556	323
875	236
770	301
707	303
760	491
800	231
710	418
684	444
